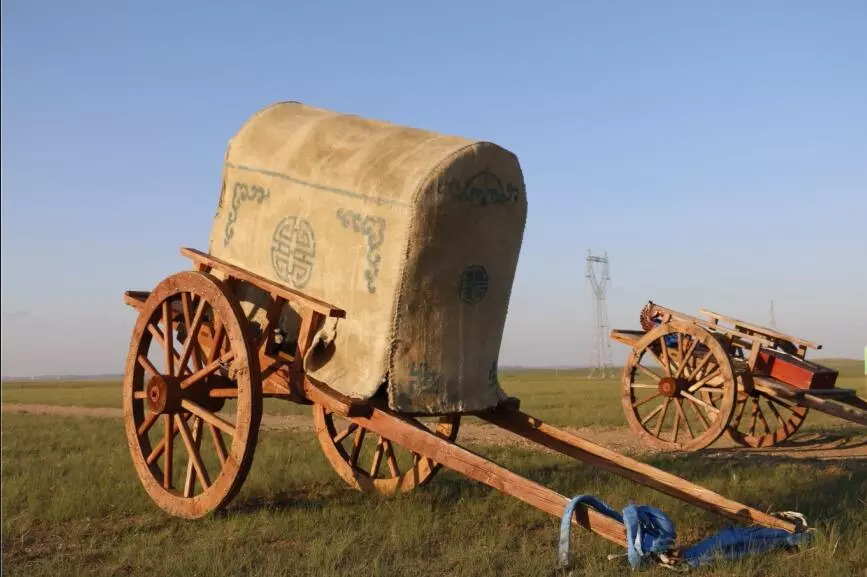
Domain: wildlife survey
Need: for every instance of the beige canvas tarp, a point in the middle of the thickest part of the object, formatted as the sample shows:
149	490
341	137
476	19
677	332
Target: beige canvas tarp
415	234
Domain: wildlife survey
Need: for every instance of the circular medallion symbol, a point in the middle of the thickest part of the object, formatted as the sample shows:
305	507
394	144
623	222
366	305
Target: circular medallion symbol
293	249
474	284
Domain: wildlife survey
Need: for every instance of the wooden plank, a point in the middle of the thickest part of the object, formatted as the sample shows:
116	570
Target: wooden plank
768	332
261	282
627	337
574	446
136	299
855	412
477	467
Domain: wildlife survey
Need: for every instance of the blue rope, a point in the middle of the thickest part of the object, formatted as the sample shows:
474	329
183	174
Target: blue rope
649	530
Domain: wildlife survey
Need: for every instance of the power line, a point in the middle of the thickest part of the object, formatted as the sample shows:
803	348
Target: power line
599	276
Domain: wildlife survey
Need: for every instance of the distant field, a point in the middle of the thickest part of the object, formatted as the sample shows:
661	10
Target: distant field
565	398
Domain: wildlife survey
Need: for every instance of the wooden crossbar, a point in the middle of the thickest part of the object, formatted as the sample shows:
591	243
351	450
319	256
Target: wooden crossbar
261	282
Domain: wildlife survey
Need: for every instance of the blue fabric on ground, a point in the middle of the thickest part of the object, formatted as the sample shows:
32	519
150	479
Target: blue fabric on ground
649	530
733	542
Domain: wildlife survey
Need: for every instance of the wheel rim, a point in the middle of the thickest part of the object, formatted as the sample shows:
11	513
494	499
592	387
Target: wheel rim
193	393
370	463
668	378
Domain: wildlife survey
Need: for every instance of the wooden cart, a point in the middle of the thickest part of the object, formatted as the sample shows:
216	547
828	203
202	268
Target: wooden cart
198	370
690	380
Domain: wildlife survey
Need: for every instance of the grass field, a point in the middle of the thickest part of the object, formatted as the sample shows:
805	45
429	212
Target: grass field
72	505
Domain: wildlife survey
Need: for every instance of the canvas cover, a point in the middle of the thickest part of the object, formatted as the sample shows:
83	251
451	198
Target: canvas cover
415	234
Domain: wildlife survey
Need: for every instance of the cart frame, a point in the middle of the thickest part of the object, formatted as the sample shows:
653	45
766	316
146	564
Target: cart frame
233	360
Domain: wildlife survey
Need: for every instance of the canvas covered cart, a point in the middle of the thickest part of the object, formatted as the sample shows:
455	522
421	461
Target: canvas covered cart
364	269
688	381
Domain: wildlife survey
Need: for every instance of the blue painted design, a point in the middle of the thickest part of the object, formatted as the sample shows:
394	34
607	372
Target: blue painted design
373	228
482	189
473	284
313	185
293	250
240	193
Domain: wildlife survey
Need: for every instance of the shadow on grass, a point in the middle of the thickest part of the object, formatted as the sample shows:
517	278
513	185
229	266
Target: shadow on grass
818	440
282	501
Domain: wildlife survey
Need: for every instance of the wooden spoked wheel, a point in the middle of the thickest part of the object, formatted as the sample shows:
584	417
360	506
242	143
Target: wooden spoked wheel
192	396
678	388
763	421
371	463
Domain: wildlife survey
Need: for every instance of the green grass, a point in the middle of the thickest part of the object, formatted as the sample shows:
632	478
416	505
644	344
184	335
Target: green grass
71	505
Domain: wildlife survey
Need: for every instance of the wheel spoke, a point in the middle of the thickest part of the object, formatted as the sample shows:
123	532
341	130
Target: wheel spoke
147	365
679	407
344	433
219	445
651	414
158	337
776	413
169	340
754	417
647	400
356	445
193	452
662	417
666	366
192	337
739	413
391	459
147	424
377	457
692	398
223	393
701	416
704	380
208	417
161	446
219	337
206	370
168	453
656	378
676	428
186	304
189	482
701	365
686	358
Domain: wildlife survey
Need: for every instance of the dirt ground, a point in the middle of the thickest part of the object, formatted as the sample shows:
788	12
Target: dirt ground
807	445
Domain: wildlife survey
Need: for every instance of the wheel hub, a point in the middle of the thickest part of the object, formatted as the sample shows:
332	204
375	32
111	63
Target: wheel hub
670	387
164	394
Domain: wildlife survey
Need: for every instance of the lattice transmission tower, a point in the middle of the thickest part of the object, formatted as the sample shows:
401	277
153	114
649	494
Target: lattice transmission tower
597	272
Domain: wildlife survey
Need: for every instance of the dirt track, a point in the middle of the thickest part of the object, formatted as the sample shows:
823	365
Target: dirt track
819	446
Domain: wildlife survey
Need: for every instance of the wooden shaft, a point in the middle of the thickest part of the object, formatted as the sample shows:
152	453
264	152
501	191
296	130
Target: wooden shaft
558	440
472	465
855	412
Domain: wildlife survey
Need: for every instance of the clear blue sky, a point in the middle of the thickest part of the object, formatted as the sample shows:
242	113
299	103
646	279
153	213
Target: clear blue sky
716	150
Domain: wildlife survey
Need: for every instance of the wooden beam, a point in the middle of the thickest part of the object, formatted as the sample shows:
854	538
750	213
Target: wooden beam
261	282
850	410
574	446
477	467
